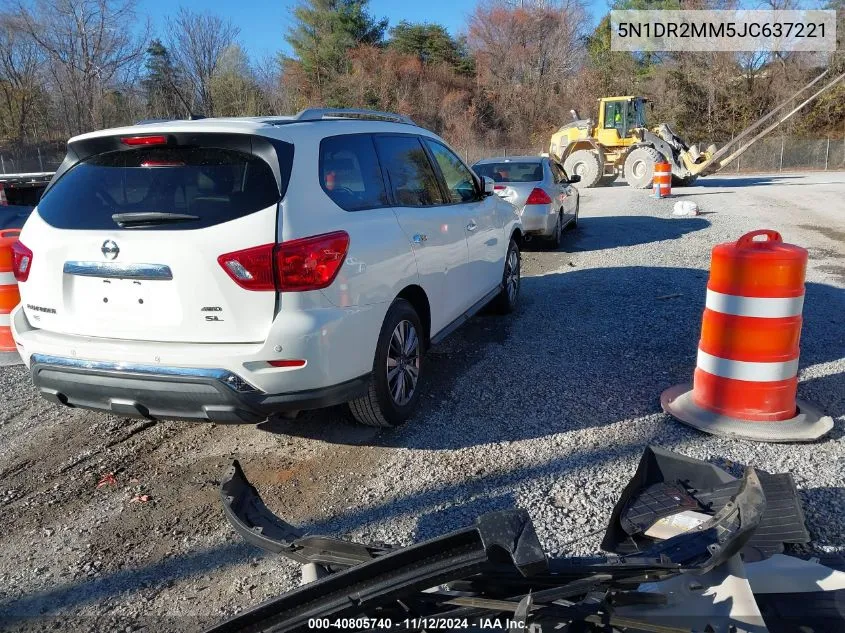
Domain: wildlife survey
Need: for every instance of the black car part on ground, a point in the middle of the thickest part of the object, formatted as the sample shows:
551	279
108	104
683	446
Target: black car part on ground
486	570
666	483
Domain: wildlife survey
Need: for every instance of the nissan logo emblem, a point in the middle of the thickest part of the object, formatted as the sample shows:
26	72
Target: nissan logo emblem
110	249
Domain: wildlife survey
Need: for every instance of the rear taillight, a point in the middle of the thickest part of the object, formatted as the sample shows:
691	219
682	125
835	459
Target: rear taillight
538	196
310	263
251	268
21	262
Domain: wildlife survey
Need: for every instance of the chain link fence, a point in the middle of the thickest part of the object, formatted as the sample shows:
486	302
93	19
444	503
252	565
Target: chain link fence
771	154
28	159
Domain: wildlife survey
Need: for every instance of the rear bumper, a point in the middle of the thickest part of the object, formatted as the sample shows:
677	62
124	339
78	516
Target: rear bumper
539	219
154	392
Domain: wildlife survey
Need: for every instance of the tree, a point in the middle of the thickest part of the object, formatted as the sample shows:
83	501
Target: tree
234	87
21	79
196	41
432	44
526	56
90	53
162	83
321	39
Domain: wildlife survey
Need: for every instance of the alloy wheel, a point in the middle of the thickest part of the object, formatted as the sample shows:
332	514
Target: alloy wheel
403	363
512	276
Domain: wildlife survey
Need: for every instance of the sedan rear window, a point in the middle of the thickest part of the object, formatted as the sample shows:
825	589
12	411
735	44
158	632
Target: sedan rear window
511	171
179	188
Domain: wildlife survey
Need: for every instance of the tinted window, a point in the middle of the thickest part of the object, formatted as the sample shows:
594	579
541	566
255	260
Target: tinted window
216	185
459	181
412	178
350	173
511	171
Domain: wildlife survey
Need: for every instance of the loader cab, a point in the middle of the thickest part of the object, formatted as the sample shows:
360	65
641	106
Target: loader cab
618	117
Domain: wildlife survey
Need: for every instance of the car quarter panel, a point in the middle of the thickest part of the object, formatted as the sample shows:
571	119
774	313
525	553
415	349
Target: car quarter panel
379	262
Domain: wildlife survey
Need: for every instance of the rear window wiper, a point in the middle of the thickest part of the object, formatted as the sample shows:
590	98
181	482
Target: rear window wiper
150	218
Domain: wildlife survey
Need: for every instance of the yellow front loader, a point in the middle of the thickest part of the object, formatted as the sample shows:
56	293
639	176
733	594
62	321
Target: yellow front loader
620	142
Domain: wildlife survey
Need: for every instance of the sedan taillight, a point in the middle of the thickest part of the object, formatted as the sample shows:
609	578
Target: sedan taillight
538	196
21	262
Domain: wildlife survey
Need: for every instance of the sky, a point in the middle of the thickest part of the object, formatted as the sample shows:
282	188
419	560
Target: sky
263	24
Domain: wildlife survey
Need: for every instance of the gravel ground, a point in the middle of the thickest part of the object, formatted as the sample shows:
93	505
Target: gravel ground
548	410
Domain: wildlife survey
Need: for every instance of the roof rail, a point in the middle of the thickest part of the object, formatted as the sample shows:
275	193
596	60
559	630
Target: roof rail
317	114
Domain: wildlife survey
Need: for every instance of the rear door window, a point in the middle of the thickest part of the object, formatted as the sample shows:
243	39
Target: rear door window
350	173
206	185
412	178
459	181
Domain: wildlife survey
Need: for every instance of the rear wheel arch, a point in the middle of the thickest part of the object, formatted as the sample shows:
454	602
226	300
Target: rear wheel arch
516	236
417	297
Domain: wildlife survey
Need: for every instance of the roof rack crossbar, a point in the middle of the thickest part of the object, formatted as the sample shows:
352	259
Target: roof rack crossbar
317	114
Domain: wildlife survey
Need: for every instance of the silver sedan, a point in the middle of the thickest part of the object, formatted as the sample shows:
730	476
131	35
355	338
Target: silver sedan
539	188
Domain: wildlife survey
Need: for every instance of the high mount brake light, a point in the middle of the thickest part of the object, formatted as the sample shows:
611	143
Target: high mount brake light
538	196
162	163
144	140
21	262
309	263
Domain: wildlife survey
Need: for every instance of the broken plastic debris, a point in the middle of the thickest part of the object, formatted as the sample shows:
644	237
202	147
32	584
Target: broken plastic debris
685	207
107	480
139	499
675	524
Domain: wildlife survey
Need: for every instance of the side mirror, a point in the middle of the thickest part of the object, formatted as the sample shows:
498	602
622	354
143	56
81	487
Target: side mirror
574	178
489	185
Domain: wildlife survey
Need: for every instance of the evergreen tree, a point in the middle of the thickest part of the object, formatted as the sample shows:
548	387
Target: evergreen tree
432	44
325	32
161	82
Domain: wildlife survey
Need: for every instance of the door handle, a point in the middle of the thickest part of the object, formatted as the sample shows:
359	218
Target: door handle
419	238
472	226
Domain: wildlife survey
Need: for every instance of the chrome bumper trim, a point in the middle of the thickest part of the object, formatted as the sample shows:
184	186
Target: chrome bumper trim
232	381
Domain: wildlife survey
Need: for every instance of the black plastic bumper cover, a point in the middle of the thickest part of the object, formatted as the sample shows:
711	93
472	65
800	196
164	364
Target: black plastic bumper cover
165	396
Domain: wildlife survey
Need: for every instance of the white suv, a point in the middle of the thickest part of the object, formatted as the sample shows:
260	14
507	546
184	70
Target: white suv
227	269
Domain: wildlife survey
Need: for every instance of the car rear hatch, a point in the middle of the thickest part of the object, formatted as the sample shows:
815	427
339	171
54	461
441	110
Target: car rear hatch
514	180
125	242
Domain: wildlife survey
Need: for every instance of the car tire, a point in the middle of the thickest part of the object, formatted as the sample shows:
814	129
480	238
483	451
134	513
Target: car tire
586	164
555	239
508	297
639	167
384	405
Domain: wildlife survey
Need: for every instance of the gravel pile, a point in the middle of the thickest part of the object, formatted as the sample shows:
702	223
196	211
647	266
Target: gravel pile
549	411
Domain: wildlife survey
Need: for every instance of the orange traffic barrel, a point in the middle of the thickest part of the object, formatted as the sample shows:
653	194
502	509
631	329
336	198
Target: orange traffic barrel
662	180
9	296
746	374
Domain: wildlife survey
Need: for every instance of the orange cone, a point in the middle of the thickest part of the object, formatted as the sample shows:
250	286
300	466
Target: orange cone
746	374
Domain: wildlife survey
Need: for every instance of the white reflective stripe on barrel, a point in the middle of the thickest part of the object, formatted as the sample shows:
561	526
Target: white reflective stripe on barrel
5	320
766	307
744	370
7	279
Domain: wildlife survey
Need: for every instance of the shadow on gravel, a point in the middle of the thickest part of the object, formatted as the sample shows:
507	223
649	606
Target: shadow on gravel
587	348
747	181
598	233
153	576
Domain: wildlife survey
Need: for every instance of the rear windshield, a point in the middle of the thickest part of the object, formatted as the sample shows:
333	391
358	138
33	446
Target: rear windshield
511	171
214	185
